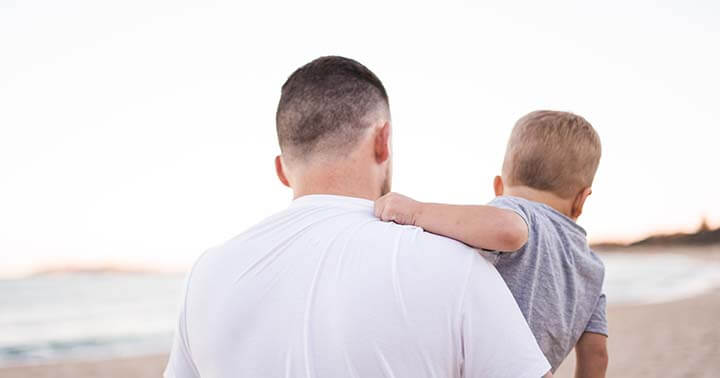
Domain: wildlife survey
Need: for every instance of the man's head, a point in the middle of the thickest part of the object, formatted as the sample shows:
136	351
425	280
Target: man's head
553	152
333	112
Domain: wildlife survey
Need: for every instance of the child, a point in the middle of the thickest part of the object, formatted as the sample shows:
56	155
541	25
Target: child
549	166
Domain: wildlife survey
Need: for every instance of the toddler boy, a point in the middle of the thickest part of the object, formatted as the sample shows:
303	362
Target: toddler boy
547	175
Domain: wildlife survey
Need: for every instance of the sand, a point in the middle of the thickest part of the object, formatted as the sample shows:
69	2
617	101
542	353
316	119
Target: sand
676	339
137	367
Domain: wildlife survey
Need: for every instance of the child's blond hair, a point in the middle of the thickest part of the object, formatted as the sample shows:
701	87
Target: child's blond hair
552	151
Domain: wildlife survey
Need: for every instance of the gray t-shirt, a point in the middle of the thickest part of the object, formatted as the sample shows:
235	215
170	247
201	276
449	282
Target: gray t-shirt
556	279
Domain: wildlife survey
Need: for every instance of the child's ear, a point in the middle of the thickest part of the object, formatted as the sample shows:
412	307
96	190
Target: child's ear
579	203
498	186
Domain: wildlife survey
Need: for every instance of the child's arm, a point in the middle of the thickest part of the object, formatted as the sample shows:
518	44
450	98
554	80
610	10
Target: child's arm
480	226
592	356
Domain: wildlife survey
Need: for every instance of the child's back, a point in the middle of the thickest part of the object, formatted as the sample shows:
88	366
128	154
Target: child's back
556	279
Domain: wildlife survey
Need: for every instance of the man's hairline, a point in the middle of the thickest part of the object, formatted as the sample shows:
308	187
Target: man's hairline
375	119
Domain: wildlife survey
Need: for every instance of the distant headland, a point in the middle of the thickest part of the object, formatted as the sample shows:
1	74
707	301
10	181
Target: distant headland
704	236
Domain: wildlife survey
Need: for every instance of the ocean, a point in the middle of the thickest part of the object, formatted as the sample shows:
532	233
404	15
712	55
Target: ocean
105	315
86	315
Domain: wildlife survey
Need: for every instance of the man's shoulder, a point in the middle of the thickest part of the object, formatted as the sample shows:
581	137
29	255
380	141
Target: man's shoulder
416	237
380	242
428	250
430	268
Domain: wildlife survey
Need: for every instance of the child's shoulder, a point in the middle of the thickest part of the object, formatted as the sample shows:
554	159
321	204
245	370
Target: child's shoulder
544	217
597	262
537	215
551	231
523	207
519	203
512	200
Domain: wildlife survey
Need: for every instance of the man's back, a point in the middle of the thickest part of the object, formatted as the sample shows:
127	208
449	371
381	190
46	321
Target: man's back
324	289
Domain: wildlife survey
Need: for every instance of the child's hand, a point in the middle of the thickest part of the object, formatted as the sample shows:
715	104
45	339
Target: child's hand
397	208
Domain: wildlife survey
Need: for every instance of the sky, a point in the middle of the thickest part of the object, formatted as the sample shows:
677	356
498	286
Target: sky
142	132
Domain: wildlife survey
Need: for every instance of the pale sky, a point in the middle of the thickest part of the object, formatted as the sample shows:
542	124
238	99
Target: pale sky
142	132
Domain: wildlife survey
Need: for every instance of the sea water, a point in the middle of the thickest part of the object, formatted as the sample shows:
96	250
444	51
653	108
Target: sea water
654	278
85	316
106	315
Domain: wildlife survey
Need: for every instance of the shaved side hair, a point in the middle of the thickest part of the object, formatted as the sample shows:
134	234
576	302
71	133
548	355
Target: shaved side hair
552	151
326	105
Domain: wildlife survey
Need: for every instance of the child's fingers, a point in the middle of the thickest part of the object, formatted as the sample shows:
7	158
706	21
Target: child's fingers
387	215
379	207
386	208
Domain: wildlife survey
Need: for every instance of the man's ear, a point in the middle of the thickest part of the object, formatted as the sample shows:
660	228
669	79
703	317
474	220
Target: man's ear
382	143
498	186
579	202
280	171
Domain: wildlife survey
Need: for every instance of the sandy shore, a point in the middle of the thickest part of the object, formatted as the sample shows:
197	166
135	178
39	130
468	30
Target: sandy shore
677	339
137	367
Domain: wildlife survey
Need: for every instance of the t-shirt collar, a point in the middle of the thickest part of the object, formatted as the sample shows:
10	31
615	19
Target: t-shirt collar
332	200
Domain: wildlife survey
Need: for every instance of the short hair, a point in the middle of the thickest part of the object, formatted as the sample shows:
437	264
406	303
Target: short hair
552	151
325	106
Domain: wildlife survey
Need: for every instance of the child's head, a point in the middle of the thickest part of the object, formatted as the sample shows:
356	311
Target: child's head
553	152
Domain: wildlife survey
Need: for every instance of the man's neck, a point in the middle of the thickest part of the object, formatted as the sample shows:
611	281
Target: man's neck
341	181
562	205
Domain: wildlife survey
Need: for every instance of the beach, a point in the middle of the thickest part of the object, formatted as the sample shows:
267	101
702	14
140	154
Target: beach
670	338
676	339
138	367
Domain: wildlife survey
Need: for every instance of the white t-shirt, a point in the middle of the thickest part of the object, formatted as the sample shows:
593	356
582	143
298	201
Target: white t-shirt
325	289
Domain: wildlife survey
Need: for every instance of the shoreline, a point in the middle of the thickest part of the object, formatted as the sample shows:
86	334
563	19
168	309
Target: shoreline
671	339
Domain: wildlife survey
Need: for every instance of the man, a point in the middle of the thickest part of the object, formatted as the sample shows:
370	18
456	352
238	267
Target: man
325	289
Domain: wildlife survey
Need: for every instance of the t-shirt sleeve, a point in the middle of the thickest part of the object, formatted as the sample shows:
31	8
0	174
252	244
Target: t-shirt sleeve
497	341
506	203
509	203
180	363
598	321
